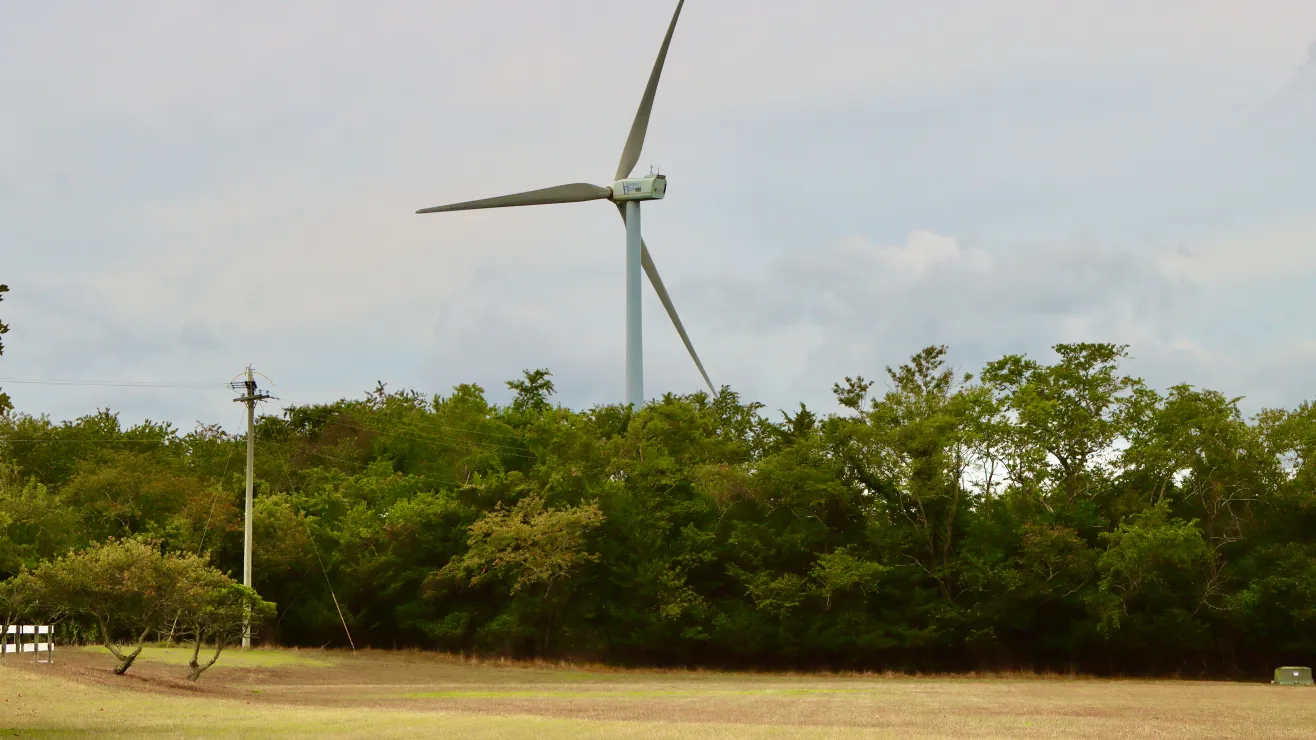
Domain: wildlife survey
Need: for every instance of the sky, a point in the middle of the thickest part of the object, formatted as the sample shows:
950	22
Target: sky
190	187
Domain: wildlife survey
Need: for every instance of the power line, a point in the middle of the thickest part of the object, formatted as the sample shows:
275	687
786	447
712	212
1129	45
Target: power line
310	538
7	440
512	436
507	436
215	497
502	449
417	436
116	383
292	451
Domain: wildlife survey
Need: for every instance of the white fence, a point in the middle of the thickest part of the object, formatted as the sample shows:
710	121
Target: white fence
30	638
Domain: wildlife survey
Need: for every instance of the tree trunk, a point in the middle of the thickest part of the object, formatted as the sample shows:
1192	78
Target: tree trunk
125	661
4	637
552	618
192	664
195	668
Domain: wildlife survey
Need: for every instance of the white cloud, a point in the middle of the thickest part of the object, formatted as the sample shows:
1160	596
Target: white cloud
1257	257
862	306
188	187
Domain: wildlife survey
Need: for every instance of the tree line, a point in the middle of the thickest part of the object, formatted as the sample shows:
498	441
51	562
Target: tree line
1055	514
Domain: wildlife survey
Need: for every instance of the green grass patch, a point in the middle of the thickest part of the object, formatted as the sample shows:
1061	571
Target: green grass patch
623	694
231	658
369	704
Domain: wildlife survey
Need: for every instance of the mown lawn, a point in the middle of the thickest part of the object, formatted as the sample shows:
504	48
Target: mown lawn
375	695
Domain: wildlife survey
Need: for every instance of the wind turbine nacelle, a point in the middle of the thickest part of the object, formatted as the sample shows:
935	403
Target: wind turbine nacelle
651	187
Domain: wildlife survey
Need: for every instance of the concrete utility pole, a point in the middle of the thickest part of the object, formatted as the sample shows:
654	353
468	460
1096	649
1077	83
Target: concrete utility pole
250	398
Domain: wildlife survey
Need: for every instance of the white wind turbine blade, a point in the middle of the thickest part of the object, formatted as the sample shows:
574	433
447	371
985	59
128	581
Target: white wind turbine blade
573	193
657	282
630	154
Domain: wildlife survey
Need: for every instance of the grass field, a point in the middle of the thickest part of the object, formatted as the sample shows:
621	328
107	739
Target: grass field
305	694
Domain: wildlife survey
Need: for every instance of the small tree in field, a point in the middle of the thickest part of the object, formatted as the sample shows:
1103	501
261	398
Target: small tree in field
17	601
216	609
126	587
130	589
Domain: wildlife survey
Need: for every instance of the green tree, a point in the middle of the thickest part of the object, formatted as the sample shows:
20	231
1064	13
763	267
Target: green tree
121	493
1066	417
18	601
214	609
532	393
1151	580
127	588
912	450
530	545
839	572
1054	515
1196	451
35	524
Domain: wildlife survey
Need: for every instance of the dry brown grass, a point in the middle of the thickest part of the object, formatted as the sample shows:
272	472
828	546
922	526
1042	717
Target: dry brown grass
413	694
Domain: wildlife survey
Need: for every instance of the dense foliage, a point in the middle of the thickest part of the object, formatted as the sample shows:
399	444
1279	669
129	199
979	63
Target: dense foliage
1038	515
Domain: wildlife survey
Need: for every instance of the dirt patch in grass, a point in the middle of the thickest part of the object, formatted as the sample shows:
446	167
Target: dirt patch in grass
231	658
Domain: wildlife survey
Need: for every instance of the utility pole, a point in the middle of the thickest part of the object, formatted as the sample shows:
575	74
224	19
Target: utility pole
250	397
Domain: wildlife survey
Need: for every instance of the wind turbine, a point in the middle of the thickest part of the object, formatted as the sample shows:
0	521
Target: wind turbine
627	193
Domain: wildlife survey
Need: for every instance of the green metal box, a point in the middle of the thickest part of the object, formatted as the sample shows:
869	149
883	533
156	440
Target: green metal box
1293	676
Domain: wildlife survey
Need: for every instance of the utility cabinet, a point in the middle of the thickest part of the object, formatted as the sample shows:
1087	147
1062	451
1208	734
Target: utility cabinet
1293	676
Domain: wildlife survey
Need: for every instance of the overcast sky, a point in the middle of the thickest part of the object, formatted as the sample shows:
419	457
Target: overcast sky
189	187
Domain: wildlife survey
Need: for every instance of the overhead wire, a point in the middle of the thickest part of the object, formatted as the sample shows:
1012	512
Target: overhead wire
421	436
4	440
310	537
499	435
9	440
215	497
509	436
415	435
289	448
357	463
116	383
